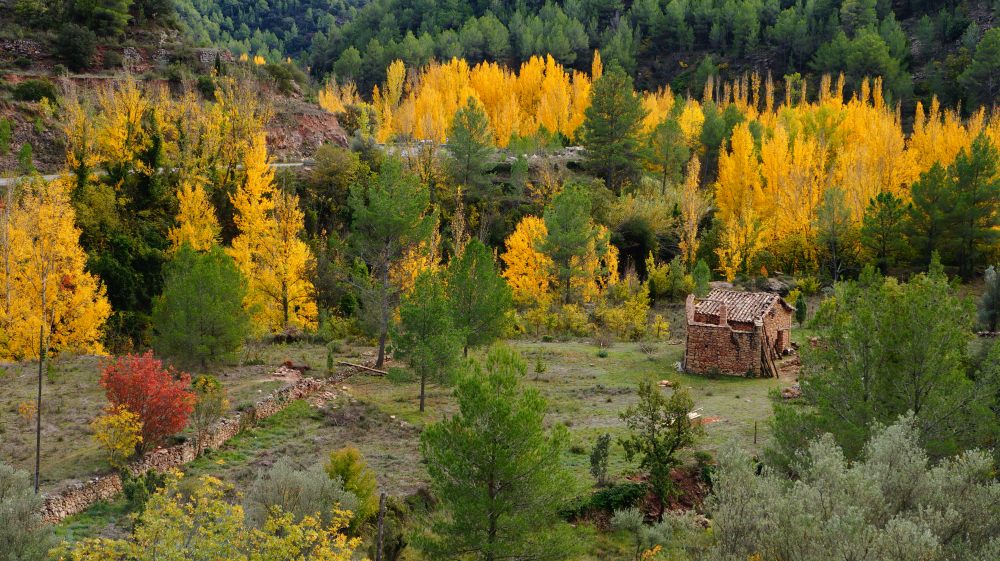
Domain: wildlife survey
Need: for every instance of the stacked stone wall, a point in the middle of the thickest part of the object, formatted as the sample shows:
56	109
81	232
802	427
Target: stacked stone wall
75	497
718	348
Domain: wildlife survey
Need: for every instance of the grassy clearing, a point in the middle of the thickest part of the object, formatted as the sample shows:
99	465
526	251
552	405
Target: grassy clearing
72	397
585	392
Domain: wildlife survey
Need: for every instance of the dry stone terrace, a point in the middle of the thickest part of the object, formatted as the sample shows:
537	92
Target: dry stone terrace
76	497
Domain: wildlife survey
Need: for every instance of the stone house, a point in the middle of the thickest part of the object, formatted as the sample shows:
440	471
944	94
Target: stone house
736	333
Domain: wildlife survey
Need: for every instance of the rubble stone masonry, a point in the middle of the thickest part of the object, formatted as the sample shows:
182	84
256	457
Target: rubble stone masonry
76	497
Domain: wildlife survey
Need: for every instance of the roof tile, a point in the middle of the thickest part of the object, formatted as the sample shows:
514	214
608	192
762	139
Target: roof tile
741	306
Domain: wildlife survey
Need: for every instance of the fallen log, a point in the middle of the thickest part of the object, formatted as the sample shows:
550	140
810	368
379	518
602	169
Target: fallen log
363	367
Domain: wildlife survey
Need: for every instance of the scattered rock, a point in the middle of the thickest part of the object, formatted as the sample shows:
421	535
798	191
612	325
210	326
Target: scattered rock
286	373
666	384
300	366
777	285
792	392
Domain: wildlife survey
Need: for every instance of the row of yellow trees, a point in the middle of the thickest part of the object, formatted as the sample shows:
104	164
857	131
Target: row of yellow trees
540	94
772	173
770	184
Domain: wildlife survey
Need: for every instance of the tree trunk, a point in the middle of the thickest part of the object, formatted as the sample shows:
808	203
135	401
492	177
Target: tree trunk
380	362
38	403
284	303
423	381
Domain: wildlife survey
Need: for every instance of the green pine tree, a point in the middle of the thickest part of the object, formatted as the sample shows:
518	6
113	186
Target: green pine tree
977	205
882	230
390	217
668	152
497	471
426	336
470	143
570	230
199	319
702	277
929	213
660	427
801	309
480	298
611	130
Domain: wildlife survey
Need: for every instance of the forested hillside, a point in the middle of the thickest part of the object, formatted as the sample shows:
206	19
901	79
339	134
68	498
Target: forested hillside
274	29
919	47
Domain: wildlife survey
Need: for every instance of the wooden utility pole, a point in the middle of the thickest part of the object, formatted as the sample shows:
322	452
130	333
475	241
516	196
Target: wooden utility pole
38	404
381	527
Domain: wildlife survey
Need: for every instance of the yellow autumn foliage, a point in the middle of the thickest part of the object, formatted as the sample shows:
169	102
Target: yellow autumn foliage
268	249
43	276
525	267
197	224
118	431
202	519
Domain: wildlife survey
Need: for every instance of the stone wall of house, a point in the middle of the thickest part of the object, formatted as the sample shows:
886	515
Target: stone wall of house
777	326
719	348
78	496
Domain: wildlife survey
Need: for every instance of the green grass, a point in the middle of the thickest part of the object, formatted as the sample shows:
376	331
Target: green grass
585	392
94	521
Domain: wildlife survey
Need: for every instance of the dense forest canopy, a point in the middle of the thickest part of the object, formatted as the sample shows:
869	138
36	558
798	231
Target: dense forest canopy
918	46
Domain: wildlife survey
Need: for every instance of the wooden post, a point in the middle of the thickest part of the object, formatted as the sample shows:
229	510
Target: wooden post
381	526
755	432
38	405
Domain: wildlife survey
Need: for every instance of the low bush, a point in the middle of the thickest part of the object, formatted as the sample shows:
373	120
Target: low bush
112	60
298	492
139	488
34	90
608	500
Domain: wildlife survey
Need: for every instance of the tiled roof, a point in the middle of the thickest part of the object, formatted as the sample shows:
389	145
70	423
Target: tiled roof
741	306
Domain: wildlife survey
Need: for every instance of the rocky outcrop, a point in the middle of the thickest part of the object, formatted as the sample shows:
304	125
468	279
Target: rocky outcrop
75	497
298	129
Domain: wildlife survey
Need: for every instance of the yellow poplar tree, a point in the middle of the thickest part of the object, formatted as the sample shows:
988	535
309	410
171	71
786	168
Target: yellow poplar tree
119	131
386	100
289	295
44	278
525	267
600	269
693	206
691	120
268	250
739	198
196	220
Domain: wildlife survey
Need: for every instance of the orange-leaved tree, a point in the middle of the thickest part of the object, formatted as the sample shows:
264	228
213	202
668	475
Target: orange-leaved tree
159	395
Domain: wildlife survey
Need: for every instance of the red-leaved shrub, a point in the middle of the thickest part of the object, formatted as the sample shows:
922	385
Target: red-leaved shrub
161	397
